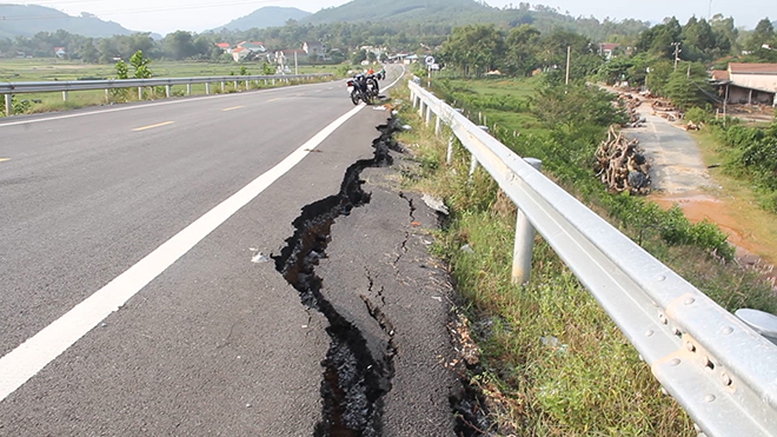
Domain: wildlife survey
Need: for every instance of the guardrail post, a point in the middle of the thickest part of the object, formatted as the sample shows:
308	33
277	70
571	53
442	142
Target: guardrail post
428	114
421	108
524	240
140	93
188	89
273	81
64	96
449	157
473	166
168	90
223	86
438	125
207	88
235	84
248	84
9	105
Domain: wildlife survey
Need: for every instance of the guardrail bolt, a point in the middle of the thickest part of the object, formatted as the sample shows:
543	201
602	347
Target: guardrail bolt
663	319
726	379
690	347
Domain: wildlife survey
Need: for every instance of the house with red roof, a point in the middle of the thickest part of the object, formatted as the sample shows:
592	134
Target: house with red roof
748	83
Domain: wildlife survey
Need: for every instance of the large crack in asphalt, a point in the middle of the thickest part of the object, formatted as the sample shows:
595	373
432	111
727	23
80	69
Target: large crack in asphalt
354	381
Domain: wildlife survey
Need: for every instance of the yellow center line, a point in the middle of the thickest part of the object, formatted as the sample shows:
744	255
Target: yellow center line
4	159
153	126
275	100
233	108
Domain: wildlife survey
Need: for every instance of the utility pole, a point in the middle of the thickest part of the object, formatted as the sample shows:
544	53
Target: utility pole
569	58
677	51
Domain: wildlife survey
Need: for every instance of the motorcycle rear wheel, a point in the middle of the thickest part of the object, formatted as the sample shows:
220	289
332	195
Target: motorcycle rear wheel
355	97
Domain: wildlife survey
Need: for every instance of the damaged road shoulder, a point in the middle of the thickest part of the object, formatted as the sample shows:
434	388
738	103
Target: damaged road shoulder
354	380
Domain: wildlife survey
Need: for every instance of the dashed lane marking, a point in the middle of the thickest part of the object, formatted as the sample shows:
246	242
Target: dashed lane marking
140	129
4	159
232	108
29	358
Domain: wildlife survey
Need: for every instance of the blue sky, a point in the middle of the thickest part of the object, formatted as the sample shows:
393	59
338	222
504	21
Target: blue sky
163	16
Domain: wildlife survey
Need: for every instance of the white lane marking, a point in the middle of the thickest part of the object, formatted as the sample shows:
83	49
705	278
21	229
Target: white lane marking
136	107
24	362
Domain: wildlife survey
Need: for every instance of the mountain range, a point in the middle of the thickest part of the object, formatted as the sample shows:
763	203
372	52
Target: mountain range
268	16
27	20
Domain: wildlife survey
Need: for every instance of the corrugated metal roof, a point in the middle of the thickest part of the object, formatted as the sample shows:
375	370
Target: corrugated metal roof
720	75
743	68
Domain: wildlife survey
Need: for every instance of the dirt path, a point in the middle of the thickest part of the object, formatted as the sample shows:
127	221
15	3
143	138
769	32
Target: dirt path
681	177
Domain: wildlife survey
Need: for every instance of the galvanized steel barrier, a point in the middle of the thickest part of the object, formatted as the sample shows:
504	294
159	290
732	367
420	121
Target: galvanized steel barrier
721	371
11	88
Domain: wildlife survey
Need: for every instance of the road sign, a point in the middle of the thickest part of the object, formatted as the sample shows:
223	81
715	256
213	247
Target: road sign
429	60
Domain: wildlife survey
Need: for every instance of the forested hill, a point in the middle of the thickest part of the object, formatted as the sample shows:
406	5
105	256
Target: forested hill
27	20
449	11
434	14
269	16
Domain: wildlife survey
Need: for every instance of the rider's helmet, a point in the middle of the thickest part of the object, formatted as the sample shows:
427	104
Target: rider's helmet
370	71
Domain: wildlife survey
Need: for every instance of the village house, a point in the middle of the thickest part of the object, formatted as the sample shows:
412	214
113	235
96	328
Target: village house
314	50
224	46
608	50
60	52
747	83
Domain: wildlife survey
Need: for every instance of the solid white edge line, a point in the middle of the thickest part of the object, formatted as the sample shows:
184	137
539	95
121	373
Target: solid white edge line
25	361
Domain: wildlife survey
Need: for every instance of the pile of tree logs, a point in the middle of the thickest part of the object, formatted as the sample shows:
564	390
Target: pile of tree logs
631	104
665	109
621	165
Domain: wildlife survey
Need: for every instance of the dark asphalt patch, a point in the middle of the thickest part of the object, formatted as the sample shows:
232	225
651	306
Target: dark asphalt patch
354	380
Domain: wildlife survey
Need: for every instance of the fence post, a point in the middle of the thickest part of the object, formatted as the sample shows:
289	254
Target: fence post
524	240
9	105
64	96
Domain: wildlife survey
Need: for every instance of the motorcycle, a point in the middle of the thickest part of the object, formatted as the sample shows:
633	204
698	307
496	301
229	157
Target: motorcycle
359	89
372	85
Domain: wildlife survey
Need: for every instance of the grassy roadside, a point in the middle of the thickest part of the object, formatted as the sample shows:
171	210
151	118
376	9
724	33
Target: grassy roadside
555	365
740	201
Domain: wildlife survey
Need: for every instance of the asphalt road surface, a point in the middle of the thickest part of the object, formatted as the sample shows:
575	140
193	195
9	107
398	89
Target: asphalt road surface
138	292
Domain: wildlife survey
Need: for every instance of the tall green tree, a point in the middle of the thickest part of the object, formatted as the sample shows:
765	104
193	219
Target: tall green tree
474	49
521	50
763	34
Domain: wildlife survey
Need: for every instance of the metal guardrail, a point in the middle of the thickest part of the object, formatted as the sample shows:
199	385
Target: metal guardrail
10	88
722	372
